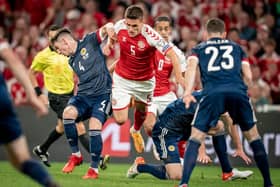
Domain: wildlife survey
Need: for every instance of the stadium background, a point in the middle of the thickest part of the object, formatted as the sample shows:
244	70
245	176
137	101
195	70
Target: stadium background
255	24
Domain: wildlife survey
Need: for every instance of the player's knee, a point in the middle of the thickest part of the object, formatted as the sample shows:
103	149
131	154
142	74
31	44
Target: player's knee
120	119
70	112
252	134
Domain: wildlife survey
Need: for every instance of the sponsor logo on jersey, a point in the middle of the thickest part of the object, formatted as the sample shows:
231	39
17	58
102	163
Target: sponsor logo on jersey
84	53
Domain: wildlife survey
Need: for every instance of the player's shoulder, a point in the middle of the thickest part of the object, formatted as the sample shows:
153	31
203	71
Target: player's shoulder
120	25
148	30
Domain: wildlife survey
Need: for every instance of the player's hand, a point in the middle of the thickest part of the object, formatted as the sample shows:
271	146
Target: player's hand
188	98
204	158
40	108
240	153
106	50
111	31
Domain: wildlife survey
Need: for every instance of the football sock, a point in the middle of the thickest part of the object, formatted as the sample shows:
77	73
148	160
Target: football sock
53	136
189	160
84	141
261	161
139	118
220	146
158	171
71	134
36	171
95	147
182	147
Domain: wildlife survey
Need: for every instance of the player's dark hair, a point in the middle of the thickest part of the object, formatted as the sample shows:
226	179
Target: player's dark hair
59	33
134	12
215	25
162	18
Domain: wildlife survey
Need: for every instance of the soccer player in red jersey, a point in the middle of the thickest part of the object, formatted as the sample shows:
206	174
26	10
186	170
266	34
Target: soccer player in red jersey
134	71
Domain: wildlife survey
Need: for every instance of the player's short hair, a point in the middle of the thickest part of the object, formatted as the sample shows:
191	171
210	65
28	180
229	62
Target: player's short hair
61	31
134	12
215	25
162	18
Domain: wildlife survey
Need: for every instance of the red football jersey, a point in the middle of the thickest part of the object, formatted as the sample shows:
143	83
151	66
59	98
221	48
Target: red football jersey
163	69
137	54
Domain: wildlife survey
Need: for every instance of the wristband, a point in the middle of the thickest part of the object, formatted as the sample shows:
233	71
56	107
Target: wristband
38	90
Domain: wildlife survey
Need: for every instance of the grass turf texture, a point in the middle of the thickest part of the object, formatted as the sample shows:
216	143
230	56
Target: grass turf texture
115	176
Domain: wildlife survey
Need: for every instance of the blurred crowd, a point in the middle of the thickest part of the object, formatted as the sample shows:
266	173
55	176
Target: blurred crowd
254	24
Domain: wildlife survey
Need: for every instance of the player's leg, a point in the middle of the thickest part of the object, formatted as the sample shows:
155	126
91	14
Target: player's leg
207	115
149	122
167	148
42	150
121	97
142	91
20	158
83	138
242	114
197	136
100	108
57	103
220	147
96	143
139	117
260	155
70	115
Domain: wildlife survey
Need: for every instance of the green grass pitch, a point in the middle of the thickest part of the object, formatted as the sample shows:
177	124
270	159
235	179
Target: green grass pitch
115	176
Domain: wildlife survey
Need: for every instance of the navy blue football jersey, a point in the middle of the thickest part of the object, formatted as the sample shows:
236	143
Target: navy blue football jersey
89	64
177	119
220	63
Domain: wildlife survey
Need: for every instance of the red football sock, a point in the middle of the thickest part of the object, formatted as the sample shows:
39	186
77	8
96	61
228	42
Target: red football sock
181	148
139	118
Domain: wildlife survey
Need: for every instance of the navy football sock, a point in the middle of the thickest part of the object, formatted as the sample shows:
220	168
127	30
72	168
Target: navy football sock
95	147
220	146
261	161
158	171
36	171
71	134
189	160
53	136
84	141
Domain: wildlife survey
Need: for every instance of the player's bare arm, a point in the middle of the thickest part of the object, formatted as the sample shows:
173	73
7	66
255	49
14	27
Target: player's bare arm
21	75
247	73
176	67
233	131
192	63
